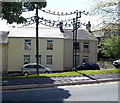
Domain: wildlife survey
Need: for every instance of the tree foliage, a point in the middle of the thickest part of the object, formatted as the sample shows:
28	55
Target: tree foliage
11	11
110	47
107	10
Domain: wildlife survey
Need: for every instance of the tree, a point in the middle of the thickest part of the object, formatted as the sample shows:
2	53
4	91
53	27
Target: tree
110	47
11	11
108	12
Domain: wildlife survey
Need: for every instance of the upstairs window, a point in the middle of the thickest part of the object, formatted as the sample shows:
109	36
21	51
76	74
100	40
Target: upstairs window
27	44
86	47
49	44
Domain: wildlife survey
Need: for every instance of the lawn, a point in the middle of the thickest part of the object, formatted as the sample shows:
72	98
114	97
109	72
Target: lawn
71	73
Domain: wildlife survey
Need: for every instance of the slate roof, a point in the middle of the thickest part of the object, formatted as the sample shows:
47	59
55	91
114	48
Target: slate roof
50	33
81	34
31	32
3	37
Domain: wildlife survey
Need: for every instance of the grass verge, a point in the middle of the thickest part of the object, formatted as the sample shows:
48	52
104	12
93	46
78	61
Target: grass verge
72	73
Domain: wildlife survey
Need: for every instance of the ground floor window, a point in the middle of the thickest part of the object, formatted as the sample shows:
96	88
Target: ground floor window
85	59
49	59
26	59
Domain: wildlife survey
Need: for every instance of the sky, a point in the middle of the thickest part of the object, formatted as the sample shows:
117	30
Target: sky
62	6
68	4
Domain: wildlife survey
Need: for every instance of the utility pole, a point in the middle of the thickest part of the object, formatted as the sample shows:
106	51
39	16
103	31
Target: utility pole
75	43
37	40
76	39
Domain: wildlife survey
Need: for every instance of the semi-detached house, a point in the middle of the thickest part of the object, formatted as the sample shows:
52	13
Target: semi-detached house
55	48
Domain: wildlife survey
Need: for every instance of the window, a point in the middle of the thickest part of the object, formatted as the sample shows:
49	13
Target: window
27	45
86	47
29	66
85	59
92	64
49	44
49	60
26	59
35	66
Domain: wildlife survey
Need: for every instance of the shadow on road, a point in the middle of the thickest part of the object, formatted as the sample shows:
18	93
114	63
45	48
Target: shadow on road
27	81
90	77
38	95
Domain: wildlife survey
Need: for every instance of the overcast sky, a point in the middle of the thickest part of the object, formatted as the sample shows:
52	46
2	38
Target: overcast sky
63	6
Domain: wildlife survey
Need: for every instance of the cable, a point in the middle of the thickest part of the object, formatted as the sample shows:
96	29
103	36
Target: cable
58	13
64	14
53	23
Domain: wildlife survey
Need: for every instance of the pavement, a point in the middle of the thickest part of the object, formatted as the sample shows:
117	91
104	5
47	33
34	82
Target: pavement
43	82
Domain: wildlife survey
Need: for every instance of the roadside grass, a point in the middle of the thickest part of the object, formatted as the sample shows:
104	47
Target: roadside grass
71	73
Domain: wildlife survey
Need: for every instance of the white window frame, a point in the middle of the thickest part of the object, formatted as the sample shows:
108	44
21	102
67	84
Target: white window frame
86	50
46	60
23	57
28	42
47	44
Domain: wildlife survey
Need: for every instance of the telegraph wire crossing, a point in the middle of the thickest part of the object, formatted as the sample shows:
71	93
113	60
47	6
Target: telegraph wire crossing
55	23
50	23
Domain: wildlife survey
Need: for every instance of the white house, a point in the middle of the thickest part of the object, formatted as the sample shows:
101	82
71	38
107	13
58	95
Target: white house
55	48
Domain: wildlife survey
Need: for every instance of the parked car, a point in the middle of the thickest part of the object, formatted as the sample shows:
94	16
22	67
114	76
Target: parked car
117	63
88	66
31	69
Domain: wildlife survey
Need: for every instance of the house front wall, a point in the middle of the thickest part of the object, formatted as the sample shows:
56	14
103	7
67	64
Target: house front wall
68	54
92	51
16	53
90	55
3	58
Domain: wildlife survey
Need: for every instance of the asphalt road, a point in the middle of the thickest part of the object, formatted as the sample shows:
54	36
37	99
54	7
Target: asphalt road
91	92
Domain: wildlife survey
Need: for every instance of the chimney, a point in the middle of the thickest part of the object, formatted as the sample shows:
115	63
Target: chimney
61	27
88	26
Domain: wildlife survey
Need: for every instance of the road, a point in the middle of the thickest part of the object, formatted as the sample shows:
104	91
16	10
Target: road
91	92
